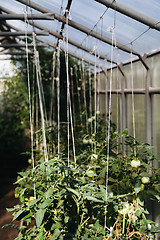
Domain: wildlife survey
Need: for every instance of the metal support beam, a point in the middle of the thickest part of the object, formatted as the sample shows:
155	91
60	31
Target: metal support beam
135	91
130	12
54	46
23	33
78	26
15	53
46	16
126	91
20	45
148	110
69	52
59	36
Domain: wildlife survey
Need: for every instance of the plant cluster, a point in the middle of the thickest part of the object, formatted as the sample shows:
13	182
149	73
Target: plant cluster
61	201
14	120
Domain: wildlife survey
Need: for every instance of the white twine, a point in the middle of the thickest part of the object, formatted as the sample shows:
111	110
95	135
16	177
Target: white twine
36	57
133	108
95	94
79	98
29	90
84	93
51	117
90	97
117	81
29	98
41	87
69	108
72	91
58	94
67	73
72	131
108	132
98	89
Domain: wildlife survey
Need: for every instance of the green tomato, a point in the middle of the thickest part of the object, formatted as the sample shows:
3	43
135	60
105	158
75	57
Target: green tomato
85	141
90	141
29	161
89	120
145	180
90	173
142	187
94	157
98	113
135	163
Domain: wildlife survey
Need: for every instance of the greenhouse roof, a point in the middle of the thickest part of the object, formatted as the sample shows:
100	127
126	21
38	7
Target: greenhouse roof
96	30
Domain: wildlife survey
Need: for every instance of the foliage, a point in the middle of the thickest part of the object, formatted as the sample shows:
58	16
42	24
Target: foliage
13	118
61	201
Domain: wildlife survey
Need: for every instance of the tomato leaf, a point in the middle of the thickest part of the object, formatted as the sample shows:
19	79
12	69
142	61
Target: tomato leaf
56	234
39	216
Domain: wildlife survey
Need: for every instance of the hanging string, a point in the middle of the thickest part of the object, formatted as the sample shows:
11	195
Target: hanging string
58	94
108	132
72	91
29	97
96	24
41	88
98	89
69	107
35	89
72	131
133	108
95	95
78	93
51	115
67	73
117	83
90	97
36	57
84	94
29	89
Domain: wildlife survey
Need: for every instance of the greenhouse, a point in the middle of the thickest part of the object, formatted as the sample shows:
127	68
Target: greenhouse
79	119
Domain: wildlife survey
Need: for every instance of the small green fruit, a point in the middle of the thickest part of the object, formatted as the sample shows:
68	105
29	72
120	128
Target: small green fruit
94	157
85	141
90	173
142	187
29	161
90	141
135	163
89	120
145	180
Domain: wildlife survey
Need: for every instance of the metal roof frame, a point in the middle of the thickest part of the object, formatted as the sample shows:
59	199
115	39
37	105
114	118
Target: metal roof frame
130	12
59	36
50	15
23	33
46	43
78	26
42	16
84	29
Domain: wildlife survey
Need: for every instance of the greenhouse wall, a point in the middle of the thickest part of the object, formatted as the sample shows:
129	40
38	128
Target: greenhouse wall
128	90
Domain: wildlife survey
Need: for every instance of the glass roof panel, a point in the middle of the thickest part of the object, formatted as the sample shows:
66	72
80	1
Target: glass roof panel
97	17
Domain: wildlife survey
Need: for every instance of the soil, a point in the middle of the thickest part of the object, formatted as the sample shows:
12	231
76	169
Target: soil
7	200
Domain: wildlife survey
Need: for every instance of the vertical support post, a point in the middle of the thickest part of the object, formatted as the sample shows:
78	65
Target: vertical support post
149	128
148	109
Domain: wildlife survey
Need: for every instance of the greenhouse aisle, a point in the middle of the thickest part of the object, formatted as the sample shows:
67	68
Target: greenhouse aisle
7	200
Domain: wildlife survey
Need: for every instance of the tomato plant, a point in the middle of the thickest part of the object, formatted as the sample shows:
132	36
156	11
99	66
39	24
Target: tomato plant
58	201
